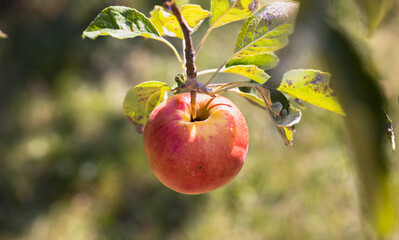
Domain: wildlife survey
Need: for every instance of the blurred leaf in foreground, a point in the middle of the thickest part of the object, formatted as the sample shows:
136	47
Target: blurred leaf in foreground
374	12
363	102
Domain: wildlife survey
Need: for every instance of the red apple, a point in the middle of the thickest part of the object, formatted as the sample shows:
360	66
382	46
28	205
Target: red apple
194	157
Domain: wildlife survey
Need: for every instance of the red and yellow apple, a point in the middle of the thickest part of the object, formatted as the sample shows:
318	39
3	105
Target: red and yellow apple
196	156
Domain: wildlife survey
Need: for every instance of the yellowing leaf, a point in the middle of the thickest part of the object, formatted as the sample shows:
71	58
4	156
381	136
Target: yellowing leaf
311	86
141	100
287	133
155	19
194	15
250	71
167	23
232	15
222	13
218	8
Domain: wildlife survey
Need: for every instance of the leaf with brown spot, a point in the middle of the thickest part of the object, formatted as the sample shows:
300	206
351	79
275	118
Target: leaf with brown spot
311	86
267	29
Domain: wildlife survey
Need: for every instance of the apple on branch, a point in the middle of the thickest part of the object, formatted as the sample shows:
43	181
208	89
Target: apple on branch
195	142
194	156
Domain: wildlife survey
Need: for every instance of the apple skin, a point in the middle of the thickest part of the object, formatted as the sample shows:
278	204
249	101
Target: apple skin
194	157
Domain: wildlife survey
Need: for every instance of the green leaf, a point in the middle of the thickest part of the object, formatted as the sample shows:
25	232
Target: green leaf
167	23
284	115
250	71
264	61
267	29
141	100
223	13
312	86
121	22
374	11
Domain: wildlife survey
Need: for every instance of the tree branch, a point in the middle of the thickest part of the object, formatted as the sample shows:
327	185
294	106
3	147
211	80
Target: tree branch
189	49
193	85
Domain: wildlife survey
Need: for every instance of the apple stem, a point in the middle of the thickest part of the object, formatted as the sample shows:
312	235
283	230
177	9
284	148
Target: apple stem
193	95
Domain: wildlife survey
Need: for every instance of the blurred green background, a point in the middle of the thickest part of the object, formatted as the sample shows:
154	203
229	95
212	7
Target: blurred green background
72	167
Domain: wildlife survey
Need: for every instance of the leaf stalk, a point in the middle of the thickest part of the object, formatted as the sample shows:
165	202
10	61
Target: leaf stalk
175	52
